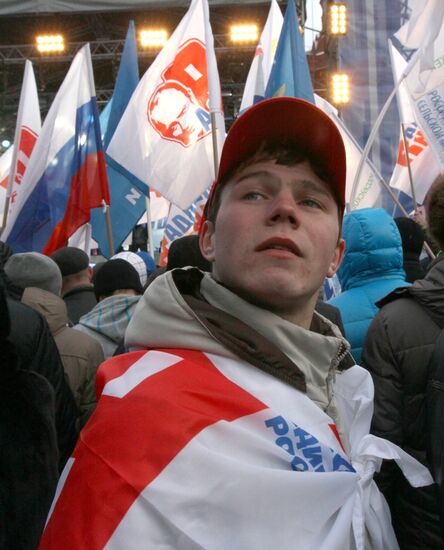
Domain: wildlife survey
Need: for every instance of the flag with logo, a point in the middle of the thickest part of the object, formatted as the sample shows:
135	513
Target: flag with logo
368	191
423	164
5	167
425	74
66	174
233	459
126	191
290	75
26	132
168	118
181	223
260	69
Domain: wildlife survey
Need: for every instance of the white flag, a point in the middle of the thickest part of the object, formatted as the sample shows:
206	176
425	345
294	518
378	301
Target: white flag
164	137
263	58
368	192
423	26
423	165
27	129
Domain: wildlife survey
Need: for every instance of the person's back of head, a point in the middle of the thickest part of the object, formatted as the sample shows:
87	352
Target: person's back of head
373	247
186	251
116	277
435	211
136	261
74	266
34	269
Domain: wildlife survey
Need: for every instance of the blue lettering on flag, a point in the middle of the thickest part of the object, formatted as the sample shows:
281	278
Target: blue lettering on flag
204	118
307	452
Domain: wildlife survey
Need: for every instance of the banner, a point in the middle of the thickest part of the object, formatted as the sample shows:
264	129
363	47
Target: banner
66	174
260	69
169	116
26	132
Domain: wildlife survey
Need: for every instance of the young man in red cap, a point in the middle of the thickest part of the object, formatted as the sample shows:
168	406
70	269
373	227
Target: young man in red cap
243	423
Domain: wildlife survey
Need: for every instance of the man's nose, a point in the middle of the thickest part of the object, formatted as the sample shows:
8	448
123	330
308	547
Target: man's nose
284	209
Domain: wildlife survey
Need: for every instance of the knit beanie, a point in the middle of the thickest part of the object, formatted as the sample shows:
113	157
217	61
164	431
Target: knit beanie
34	269
412	235
114	275
70	260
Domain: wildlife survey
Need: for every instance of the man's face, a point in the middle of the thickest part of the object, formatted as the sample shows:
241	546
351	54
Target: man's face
275	237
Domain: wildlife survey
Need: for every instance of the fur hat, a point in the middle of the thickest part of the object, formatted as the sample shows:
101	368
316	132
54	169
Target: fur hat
70	260
114	275
34	269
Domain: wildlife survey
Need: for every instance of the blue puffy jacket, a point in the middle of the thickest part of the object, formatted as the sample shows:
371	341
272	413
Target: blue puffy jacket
372	267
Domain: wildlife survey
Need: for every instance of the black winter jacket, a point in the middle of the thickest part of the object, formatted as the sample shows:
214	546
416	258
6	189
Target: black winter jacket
397	352
37	351
435	424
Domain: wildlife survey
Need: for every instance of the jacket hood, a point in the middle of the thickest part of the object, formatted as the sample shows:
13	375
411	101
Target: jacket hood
111	316
373	248
429	291
52	307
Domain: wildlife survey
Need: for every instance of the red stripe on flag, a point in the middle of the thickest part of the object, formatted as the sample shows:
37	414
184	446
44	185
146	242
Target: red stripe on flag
89	186
129	441
4	182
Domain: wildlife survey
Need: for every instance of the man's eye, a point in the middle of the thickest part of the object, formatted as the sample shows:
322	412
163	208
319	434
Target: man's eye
253	196
311	203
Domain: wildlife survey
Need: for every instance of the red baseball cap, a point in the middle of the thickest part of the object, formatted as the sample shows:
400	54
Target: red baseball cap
291	120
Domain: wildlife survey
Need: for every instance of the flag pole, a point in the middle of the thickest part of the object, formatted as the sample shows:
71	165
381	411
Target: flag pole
214	139
109	227
409	166
148	225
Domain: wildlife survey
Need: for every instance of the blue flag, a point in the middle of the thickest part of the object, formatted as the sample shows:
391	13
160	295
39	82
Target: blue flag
290	75
127	192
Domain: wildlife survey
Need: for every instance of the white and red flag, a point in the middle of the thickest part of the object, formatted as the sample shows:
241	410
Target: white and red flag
423	164
27	129
165	137
5	167
191	450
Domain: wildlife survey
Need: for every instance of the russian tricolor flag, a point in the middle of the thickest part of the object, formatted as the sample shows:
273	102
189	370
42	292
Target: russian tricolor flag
66	174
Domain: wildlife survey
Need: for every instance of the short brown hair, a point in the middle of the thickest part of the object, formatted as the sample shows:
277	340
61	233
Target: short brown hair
435	211
286	154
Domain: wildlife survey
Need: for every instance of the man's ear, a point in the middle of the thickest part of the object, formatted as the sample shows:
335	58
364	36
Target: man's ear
337	258
207	241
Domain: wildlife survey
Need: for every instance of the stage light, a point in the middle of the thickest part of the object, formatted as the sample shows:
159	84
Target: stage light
153	38
338	19
341	88
50	43
6	143
244	33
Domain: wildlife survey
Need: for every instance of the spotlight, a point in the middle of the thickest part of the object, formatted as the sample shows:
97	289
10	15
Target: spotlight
338	19
341	88
244	33
50	43
153	38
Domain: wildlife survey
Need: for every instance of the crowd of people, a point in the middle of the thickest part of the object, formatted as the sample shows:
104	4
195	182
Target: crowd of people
219	402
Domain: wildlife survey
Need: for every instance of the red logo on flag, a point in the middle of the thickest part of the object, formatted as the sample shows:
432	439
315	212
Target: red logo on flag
179	108
416	143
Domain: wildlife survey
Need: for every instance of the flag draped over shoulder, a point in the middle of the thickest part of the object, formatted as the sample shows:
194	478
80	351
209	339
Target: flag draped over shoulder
66	174
260	69
168	121
233	459
127	192
423	164
26	133
290	75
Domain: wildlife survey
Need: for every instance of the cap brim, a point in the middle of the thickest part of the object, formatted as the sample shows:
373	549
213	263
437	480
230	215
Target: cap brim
291	120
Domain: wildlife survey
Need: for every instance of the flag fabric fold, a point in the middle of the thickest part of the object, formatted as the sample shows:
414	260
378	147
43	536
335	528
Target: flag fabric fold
260	69
164	137
290	75
66	174
127	193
